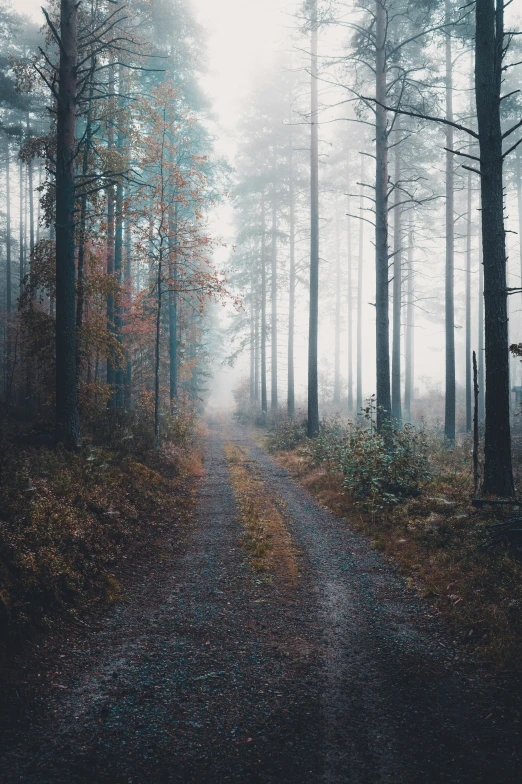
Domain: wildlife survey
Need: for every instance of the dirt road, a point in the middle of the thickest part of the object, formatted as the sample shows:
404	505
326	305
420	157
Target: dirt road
209	671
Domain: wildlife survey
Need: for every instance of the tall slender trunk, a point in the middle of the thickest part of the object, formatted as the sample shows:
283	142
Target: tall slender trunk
498	471
118	399
252	336
67	420
264	402
157	343
450	398
111	361
39	204
291	284
173	310
481	369
313	391
8	273
350	310
30	200
337	317
397	286
256	345
8	270
469	389
409	338
383	397
273	293
128	291
360	268
21	227
519	202
80	278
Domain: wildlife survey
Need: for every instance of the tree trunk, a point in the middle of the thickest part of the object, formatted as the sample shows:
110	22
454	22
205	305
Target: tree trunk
408	379
291	285
498	472
450	398
8	270
252	337
67	421
481	371
383	397
519	202
128	291
30	199
256	345
350	312
21	227
337	324
157	344
173	311
313	392
273	293
80	281
118	400
264	402
469	390
8	273
360	268
111	360
397	285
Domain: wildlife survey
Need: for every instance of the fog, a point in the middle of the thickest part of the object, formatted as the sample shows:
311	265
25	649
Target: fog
253	65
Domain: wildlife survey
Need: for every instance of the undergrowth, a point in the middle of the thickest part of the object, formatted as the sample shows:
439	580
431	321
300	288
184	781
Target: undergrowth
414	503
66	519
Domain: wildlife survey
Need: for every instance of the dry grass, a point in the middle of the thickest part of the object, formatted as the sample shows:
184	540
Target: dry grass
266	537
437	539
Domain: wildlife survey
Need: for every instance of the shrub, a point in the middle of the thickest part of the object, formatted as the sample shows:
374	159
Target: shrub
377	468
287	434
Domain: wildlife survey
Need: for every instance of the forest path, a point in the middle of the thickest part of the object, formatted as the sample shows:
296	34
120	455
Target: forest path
210	672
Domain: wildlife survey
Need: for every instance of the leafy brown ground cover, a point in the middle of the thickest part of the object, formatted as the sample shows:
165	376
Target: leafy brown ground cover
69	521
438	540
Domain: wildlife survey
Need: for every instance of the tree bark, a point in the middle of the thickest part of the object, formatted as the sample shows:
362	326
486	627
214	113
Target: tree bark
481	370
80	281
8	271
360	268
397	286
350	311
128	291
383	397
469	390
264	402
291	285
67	420
409	363
450	397
519	203
273	293
256	344
111	360
252	338
313	392
21	268
498	472
173	310
337	317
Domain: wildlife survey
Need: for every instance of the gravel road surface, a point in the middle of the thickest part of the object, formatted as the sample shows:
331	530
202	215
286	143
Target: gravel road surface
209	672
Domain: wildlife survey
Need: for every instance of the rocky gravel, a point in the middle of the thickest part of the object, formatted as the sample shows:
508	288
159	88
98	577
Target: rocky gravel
210	672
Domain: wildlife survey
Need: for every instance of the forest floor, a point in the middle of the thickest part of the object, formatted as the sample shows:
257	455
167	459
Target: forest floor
264	641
